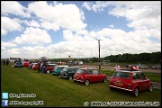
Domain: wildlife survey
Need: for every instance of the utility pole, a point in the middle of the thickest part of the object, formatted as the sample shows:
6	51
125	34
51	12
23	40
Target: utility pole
99	54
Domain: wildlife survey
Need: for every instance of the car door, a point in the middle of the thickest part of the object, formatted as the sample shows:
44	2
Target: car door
70	71
89	75
50	67
97	76
144	82
140	80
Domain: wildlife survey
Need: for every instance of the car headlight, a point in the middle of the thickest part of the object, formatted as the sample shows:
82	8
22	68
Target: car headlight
129	86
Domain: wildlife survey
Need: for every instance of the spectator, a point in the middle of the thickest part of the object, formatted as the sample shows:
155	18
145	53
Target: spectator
4	62
117	67
38	67
43	67
127	66
7	62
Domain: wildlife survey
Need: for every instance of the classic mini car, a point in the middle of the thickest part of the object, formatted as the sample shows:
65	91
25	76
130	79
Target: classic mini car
18	63
130	80
50	68
58	69
35	66
68	72
87	75
26	63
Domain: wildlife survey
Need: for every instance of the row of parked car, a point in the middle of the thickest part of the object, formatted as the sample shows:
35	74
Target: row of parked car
48	67
85	75
129	80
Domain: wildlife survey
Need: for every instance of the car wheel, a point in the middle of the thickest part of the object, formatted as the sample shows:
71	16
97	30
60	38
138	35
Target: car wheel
151	88
70	77
104	80
86	82
48	71
136	92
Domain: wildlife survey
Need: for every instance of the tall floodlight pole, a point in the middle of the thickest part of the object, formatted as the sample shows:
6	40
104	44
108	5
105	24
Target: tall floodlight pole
99	54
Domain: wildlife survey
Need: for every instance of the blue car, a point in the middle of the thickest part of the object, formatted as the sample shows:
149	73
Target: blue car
58	69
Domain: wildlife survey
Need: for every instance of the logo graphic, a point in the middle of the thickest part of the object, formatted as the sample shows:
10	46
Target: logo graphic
5	95
86	103
4	102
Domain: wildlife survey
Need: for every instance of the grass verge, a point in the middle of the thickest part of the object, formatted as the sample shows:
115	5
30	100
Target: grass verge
57	92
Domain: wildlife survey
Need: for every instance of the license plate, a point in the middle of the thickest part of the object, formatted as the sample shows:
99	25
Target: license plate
118	83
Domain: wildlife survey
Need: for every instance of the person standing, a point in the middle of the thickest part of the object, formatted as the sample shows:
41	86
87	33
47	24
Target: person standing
43	67
4	62
7	62
126	66
38	67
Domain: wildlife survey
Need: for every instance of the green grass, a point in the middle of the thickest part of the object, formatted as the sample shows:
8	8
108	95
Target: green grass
155	77
58	92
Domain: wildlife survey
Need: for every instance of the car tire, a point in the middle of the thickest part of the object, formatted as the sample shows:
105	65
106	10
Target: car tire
104	80
136	92
48	71
70	77
151	87
86	82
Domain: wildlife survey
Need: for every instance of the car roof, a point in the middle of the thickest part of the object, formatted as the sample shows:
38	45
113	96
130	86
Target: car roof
52	64
25	61
62	66
73	67
86	68
129	71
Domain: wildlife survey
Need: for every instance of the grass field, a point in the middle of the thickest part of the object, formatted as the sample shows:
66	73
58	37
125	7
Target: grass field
57	92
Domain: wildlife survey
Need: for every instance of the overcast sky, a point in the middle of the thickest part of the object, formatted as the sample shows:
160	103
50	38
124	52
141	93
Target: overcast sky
59	29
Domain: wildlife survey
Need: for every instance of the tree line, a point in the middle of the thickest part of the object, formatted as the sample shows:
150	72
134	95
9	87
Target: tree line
154	57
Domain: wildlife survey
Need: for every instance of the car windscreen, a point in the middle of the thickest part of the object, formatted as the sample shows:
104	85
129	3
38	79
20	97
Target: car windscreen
58	68
66	69
80	71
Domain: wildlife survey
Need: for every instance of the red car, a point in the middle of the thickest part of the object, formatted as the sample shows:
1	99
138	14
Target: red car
87	75
50	68
26	63
130	80
35	66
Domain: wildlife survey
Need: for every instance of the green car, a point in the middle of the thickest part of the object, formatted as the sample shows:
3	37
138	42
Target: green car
68	72
58	69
